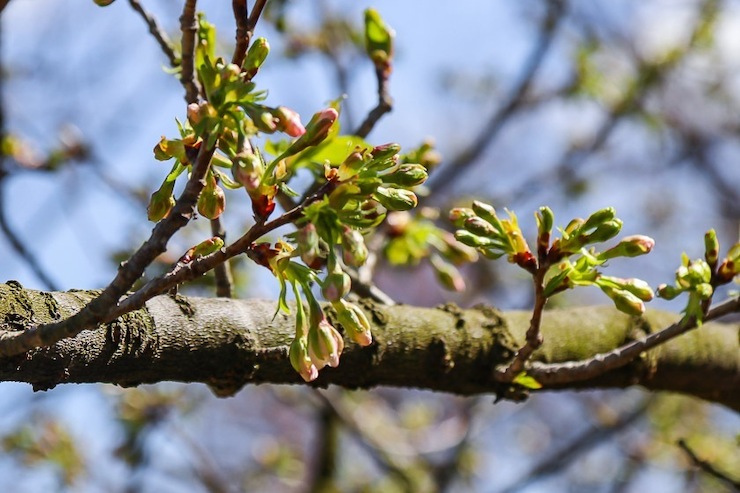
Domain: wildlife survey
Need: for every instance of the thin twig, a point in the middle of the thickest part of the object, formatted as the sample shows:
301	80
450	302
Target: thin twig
533	338
158	33
385	105
189	27
547	31
254	16
327	448
20	249
3	4
370	443
224	281
183	272
242	41
576	371
100	308
559	459
708	467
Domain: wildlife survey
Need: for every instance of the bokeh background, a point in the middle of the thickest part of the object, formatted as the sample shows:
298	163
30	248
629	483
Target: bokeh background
575	104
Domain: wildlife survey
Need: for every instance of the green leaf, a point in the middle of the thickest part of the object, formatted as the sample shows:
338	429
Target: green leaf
527	381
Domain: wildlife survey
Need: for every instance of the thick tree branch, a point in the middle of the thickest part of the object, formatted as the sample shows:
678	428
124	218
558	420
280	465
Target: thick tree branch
230	343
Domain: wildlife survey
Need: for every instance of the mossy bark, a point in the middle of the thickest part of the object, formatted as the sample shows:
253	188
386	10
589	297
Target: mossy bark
230	343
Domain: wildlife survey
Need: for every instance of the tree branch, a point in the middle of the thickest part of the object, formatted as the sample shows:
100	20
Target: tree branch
230	343
189	27
573	371
385	105
708	468
129	272
164	42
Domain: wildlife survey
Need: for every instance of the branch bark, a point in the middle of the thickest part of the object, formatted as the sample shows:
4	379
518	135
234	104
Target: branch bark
229	343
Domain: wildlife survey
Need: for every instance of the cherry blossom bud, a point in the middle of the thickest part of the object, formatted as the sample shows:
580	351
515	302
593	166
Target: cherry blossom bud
396	199
458	215
447	275
325	344
301	361
351	166
212	200
631	246
354	250
480	227
256	56
103	3
354	321
407	175
668	292
598	218
288	121
625	301
711	247
336	286
385	151
318	127
161	202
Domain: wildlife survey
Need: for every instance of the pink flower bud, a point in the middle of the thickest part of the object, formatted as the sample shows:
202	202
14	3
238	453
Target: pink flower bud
301	361
325	344
288	121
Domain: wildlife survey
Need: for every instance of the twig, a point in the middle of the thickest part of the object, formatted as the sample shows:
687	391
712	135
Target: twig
254	16
327	447
576	371
183	272
385	104
370	443
189	27
707	467
224	280
158	33
560	458
20	249
99	309
242	34
547	31
533	338
3	4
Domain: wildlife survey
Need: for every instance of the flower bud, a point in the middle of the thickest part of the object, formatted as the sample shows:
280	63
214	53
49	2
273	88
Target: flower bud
318	127
288	121
354	321
301	361
704	290
354	250
336	286
598	218
308	244
212	200
385	151
475	241
727	270
668	292
103	3
407	175
480	227
161	202
352	165
711	247
625	301
325	344
631	246
603	232
458	215
194	113
256	56
207	247
379	41
447	275
247	170
395	199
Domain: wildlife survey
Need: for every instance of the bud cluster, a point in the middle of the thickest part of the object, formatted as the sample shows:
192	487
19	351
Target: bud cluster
492	236
700	277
